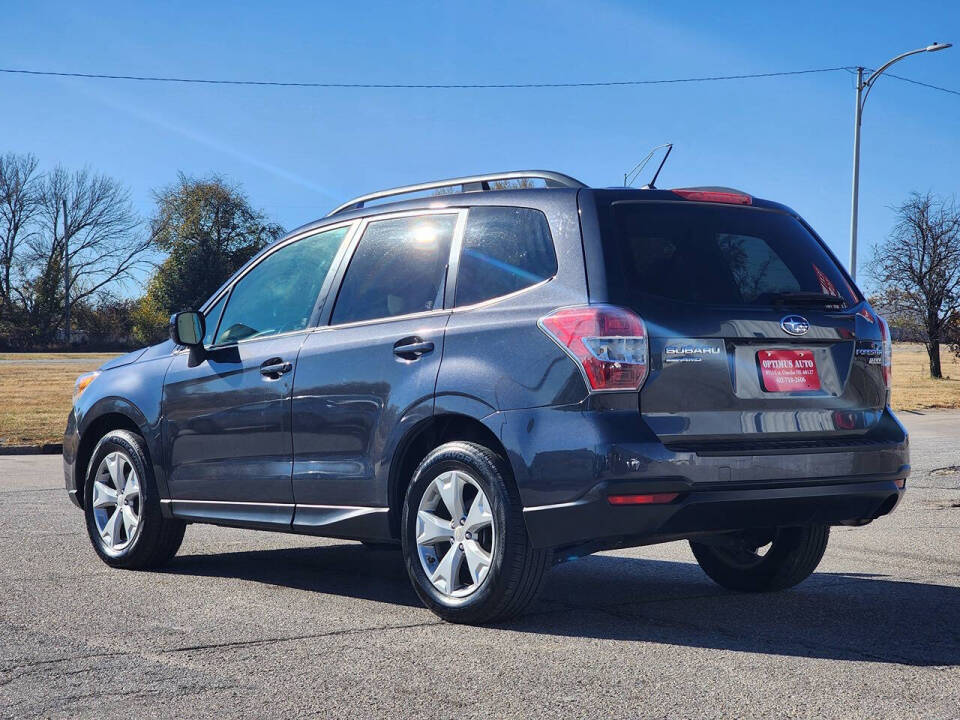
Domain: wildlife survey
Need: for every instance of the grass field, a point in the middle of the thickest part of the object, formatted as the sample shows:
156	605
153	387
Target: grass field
36	389
35	394
913	389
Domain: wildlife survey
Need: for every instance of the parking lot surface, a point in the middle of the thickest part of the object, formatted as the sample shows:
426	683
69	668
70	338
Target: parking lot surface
252	624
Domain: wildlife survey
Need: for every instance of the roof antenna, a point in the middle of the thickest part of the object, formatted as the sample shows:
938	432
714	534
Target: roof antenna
628	178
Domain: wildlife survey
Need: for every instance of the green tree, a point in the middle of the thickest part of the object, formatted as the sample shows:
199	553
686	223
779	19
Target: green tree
149	318
207	229
107	321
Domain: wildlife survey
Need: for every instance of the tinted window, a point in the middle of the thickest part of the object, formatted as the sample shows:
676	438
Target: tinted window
212	318
504	250
712	254
398	268
279	293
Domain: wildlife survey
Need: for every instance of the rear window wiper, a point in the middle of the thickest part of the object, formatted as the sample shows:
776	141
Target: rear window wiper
804	298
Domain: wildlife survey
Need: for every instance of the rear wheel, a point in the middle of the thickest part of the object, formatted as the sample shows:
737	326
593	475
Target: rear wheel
763	560
122	506
465	544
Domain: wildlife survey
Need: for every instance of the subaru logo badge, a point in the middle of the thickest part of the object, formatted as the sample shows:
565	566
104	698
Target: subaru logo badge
795	325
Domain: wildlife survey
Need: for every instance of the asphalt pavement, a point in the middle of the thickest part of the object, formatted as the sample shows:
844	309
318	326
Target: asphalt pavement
253	624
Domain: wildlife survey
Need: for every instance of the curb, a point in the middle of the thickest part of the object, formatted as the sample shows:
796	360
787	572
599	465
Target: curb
48	449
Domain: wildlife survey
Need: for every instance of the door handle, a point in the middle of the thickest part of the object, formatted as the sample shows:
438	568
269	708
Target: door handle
275	367
412	348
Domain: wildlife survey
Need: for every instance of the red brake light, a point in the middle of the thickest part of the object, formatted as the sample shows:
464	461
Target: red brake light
649	499
887	351
716	196
609	343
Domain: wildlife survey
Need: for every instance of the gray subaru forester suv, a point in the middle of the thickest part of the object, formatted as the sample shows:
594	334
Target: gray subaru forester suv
496	380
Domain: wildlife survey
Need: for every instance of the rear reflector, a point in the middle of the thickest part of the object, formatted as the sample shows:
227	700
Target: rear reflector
715	196
650	499
609	343
901	483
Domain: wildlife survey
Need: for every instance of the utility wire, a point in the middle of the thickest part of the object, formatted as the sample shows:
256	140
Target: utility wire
418	86
457	86
853	70
923	84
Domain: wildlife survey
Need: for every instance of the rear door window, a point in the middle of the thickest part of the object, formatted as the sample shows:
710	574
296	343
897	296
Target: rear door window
505	249
713	255
399	268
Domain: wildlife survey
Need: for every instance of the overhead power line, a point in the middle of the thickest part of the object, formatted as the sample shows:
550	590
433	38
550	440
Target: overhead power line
454	86
923	84
853	70
417	86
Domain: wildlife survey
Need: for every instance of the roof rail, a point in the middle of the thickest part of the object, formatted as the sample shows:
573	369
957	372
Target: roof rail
470	183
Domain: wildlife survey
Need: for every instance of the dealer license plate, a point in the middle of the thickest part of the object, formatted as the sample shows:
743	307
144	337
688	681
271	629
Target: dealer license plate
788	370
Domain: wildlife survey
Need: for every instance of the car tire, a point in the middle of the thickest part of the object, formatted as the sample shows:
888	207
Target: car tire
122	506
481	566
793	554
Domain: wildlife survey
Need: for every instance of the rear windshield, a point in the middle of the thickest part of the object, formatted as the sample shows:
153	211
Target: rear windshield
712	254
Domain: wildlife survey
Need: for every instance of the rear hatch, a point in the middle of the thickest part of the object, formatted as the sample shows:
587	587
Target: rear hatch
757	338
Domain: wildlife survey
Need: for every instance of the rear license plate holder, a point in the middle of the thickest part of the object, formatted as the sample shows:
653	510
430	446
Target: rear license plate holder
788	371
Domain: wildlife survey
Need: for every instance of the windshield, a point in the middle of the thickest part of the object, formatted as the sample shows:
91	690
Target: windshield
712	254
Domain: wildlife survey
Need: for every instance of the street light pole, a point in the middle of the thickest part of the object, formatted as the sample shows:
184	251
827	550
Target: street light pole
856	175
863	90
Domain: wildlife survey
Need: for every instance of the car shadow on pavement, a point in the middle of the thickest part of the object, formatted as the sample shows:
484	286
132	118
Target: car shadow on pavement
841	616
846	616
350	570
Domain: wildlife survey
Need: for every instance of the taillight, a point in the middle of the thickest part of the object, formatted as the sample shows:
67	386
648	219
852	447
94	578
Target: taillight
609	343
716	196
887	351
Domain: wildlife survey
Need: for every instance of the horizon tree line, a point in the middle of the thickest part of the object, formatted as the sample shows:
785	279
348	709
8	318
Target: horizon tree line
76	234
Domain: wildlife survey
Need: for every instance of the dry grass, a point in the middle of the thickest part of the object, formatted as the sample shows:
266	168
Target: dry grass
913	389
36	389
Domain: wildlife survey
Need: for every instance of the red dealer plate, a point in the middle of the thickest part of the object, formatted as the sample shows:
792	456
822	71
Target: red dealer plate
788	370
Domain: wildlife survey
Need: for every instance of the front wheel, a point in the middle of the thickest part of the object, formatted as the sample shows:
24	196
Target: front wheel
464	540
763	560
122	506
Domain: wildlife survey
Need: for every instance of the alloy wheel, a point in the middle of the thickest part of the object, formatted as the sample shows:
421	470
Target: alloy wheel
455	534
117	503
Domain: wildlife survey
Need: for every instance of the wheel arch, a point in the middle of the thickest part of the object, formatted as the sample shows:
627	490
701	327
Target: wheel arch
424	437
108	414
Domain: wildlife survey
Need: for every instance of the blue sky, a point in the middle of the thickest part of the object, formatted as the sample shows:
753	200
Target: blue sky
299	152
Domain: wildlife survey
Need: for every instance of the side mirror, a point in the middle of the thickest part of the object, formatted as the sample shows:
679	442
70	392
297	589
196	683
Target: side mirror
187	328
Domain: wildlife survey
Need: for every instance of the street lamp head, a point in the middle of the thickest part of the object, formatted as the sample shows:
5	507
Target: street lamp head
863	91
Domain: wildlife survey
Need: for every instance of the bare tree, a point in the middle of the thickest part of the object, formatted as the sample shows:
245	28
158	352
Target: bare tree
918	268
518	184
19	202
86	220
905	324
515	184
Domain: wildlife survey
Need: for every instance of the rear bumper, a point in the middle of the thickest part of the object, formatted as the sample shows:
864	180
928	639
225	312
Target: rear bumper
567	460
591	523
